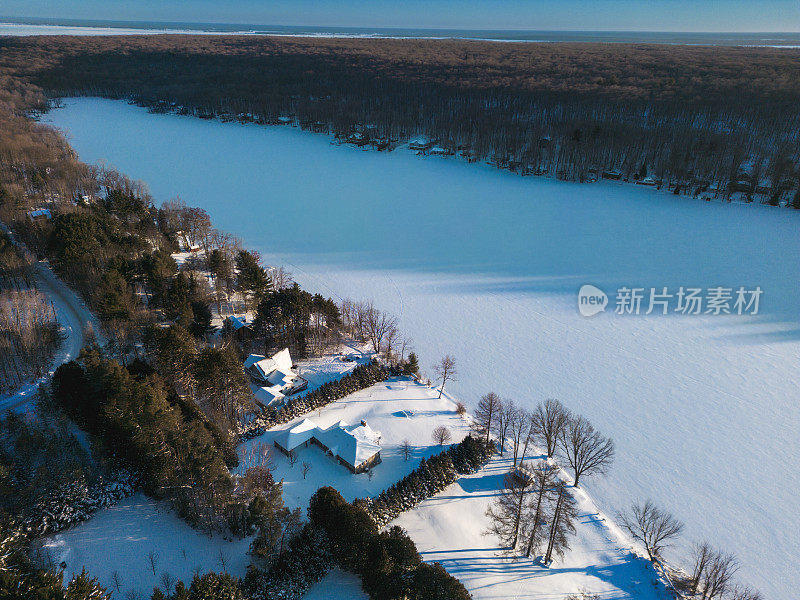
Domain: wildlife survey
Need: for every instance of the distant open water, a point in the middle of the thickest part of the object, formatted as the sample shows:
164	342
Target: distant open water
31	26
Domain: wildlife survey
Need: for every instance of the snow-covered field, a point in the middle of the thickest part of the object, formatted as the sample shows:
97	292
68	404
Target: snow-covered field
121	538
400	409
485	265
450	528
337	585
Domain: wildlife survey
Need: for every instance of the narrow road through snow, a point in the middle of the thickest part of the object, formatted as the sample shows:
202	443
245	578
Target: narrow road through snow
73	315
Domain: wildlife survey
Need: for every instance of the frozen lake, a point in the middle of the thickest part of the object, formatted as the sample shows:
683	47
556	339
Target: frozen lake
486	265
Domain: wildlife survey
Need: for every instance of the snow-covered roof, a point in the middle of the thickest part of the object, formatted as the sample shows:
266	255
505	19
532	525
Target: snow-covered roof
269	395
264	366
281	377
298	435
237	324
354	444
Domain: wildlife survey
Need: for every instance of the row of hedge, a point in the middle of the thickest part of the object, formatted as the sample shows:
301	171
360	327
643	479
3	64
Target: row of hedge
429	478
388	562
360	378
305	561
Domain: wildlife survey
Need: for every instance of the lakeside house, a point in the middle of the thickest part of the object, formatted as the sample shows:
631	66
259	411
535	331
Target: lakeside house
420	143
356	447
274	378
440	151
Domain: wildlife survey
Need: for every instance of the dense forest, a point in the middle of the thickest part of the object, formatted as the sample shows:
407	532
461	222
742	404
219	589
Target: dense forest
694	119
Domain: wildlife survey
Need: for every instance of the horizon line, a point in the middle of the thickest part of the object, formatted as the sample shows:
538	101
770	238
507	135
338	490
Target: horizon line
27	20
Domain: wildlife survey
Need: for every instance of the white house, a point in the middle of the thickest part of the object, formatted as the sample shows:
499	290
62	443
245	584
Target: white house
420	143
273	377
357	447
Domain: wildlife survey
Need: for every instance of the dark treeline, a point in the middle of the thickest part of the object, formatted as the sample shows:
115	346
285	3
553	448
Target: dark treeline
690	118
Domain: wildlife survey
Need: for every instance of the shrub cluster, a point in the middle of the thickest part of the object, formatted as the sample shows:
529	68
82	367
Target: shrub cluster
75	502
305	561
388	562
430	477
362	377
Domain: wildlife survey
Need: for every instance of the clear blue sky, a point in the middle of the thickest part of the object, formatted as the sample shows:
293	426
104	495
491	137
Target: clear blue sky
620	15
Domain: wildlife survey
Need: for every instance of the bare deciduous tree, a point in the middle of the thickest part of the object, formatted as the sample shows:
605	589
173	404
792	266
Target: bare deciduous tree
562	523
292	459
506	513
223	560
405	449
586	451
745	593
116	581
502	422
652	526
152	558
531	433
281	278
544	482
486	413
306	469
379	327
713	572
550	417
445	371
441	435
167	581
518	428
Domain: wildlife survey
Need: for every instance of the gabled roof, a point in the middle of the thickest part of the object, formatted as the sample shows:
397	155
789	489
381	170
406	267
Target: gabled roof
237	324
281	377
265	366
352	443
269	395
298	435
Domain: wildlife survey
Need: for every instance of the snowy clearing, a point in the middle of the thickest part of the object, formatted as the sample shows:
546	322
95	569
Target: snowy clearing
337	585
398	409
120	539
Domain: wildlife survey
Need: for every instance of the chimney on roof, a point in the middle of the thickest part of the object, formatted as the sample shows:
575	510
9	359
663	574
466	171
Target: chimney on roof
363	423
